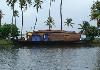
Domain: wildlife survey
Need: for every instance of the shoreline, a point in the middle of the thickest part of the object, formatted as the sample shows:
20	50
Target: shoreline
9	42
5	42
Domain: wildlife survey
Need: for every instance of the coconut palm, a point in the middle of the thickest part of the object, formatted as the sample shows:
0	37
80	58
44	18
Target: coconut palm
50	22
95	12
23	5
84	27
1	15
50	4
50	26
12	4
16	14
37	5
90	31
68	22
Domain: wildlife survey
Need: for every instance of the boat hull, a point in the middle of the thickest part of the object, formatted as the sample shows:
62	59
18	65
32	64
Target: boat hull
46	42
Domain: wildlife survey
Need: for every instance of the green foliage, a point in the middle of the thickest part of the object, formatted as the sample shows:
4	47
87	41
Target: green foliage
24	3
84	26
38	4
11	3
50	22
14	31
95	12
16	13
90	31
68	22
5	42
8	30
5	30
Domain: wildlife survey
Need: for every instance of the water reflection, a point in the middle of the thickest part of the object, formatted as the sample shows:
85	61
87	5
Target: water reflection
66	57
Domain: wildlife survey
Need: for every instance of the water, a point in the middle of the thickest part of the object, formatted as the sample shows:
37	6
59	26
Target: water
68	57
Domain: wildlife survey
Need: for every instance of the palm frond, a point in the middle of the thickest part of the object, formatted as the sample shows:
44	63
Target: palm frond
68	22
50	22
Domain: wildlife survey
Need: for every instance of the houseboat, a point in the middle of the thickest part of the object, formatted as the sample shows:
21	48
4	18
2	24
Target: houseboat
51	37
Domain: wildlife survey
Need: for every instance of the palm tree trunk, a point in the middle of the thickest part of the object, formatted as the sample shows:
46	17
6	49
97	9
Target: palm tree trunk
35	23
61	13
13	12
15	20
50	3
0	17
50	13
0	20
12	19
49	16
22	24
49	27
98	23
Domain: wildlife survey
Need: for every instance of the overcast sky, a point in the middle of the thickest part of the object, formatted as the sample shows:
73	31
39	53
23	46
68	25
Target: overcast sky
78	10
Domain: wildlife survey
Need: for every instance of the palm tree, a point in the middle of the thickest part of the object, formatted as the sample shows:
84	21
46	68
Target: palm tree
50	6
61	13
68	22
12	4
37	5
16	14
90	31
23	5
84	27
50	18
1	15
50	22
95	12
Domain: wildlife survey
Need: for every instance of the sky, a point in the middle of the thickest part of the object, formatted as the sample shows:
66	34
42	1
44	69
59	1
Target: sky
78	10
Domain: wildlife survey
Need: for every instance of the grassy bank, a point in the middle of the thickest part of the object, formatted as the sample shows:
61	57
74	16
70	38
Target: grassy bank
5	42
96	41
9	42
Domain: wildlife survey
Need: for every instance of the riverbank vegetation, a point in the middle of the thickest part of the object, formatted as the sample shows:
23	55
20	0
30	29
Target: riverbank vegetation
5	42
8	30
91	31
7	33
